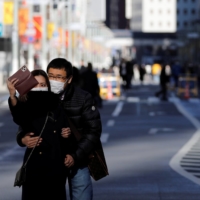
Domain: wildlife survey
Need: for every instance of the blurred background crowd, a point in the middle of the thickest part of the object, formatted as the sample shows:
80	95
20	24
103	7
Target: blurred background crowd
122	41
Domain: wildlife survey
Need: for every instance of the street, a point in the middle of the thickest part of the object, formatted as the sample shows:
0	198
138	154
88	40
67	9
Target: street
152	148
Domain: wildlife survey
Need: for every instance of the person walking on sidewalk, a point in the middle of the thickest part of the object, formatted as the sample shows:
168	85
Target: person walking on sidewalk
81	110
164	80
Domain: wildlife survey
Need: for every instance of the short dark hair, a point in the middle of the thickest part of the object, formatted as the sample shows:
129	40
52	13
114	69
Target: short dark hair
61	63
37	72
40	72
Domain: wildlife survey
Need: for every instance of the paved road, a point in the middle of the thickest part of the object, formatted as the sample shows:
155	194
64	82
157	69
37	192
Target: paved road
141	136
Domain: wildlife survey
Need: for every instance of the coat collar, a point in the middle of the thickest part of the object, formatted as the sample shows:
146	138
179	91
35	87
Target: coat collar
68	92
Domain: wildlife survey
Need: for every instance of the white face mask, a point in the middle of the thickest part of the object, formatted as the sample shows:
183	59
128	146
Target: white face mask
40	89
57	86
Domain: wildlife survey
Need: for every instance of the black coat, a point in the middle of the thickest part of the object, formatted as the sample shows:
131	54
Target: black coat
80	108
89	82
46	165
31	115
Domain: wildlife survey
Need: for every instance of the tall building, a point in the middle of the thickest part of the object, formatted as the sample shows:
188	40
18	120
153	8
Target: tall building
166	16
156	25
188	13
115	14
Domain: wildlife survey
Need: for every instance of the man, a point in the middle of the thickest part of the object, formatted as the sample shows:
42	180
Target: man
89	82
80	109
164	80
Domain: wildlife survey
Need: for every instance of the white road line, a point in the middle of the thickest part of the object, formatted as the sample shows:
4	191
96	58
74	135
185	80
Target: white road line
111	122
104	137
1	124
153	131
133	99
176	160
192	100
190	164
152	114
174	99
118	109
153	100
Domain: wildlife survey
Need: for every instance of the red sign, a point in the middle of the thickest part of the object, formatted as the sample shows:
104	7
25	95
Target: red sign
37	21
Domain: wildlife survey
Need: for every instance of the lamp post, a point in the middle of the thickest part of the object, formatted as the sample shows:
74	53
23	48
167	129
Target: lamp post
15	41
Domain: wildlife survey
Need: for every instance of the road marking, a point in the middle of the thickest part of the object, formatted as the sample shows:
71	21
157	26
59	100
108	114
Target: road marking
1	124
192	100
118	109
154	131
153	100
156	113
111	122
133	99
167	129
174	99
104	137
178	158
152	114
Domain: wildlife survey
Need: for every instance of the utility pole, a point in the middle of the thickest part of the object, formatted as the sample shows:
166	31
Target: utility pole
63	48
30	45
15	41
44	37
69	31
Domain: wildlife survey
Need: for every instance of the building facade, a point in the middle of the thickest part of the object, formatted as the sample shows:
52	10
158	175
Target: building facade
115	14
158	24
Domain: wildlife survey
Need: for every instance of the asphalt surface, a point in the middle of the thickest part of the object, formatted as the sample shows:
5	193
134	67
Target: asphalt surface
140	136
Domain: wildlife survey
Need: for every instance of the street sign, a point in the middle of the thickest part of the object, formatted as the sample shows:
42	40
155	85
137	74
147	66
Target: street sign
1	29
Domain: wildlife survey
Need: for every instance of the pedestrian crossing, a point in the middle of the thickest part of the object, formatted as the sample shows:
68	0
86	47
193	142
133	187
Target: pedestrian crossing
191	161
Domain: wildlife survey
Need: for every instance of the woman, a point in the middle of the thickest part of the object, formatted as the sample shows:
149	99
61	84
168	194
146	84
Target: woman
45	172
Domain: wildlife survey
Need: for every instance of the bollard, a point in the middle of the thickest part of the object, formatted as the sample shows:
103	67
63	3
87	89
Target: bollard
187	92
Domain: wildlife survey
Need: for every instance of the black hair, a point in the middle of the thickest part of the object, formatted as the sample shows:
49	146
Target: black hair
40	72
61	63
37	72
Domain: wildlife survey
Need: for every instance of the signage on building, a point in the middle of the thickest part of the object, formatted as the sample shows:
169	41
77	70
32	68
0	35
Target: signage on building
50	30
23	20
37	21
8	11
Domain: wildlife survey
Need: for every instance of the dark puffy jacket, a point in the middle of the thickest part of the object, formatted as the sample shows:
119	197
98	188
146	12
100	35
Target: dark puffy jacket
80	108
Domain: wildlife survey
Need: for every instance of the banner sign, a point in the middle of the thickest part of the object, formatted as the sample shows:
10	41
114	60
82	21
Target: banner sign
23	20
37	21
8	12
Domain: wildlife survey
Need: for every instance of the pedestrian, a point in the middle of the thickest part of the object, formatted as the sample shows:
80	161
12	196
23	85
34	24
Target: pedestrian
81	110
142	72
76	76
123	72
129	74
89	83
45	170
82	67
164	80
